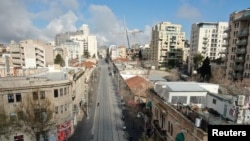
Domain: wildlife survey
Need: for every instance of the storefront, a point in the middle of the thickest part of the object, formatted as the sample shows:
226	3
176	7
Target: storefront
64	131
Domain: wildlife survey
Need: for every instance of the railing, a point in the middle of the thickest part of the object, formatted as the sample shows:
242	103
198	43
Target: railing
160	131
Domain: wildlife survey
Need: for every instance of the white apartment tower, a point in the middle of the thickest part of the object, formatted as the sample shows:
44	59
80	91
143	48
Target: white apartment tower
207	39
167	45
78	43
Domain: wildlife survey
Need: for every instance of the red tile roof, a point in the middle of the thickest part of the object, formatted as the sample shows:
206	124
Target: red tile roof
87	64
138	85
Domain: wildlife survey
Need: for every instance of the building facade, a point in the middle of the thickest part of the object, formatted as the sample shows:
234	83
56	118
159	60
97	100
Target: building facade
170	124
167	45
62	89
207	39
79	43
31	54
237	46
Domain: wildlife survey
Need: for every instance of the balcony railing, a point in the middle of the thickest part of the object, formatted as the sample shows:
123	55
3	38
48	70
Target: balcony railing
240	51
241	42
225	44
239	59
205	42
161	132
14	49
225	36
224	51
243	33
237	75
239	68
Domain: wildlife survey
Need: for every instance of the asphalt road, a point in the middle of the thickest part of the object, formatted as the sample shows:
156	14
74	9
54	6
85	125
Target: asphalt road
104	122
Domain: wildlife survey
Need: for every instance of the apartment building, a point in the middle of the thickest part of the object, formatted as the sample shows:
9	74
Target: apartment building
79	43
167	45
31	54
146	52
170	124
64	90
207	38
238	39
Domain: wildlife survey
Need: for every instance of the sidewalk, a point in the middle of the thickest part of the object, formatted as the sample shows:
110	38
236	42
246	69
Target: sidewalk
134	125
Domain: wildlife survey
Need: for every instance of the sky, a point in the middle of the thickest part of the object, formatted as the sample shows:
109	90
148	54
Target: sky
107	19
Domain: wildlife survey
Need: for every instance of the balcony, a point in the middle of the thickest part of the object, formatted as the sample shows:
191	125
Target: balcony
15	55
204	47
237	75
172	44
224	51
239	59
224	58
161	132
239	68
240	51
205	37
225	36
14	49
204	51
172	57
227	30
243	33
225	44
241	42
205	42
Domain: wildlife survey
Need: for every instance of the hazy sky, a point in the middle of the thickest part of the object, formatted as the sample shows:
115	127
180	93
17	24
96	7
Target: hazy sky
107	19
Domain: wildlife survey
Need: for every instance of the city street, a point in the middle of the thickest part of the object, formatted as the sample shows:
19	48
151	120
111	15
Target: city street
104	122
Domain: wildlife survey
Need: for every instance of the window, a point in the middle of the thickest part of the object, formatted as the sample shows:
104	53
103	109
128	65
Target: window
35	96
66	107
214	101
18	97
61	108
197	99
20	115
61	91
11	98
156	113
65	91
169	126
42	94
18	138
179	99
171	129
12	116
40	114
55	93
56	109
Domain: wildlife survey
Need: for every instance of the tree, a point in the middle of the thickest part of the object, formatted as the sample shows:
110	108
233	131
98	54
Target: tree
36	116
59	60
218	76
7	126
205	70
197	59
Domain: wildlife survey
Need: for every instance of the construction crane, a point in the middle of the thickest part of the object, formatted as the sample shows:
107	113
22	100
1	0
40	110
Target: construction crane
133	32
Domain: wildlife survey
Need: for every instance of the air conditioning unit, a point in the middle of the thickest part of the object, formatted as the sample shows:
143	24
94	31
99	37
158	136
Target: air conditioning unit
241	100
